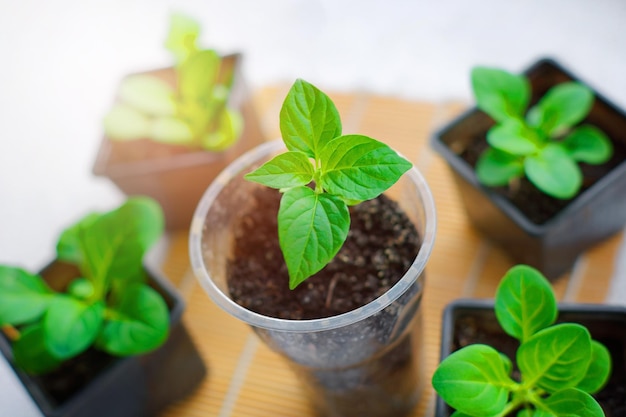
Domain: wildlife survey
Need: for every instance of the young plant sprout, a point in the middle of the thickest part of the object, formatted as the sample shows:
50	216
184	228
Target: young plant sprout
544	144
109	306
560	364
320	175
193	112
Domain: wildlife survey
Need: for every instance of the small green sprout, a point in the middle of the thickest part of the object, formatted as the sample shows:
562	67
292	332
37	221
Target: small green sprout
560	364
320	175
109	306
544	144
192	113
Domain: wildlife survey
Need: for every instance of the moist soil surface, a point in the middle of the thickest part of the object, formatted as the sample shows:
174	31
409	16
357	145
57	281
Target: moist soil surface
381	245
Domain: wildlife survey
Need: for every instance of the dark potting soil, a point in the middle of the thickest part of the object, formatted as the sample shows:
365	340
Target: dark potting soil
380	247
471	329
535	205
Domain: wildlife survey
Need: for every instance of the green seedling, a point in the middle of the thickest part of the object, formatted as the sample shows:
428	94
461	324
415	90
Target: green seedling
320	175
109	306
560	364
192	113
545	143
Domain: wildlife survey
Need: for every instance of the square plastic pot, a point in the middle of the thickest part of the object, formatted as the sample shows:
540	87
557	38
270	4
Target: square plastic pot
173	175
552	247
366	362
135	386
607	324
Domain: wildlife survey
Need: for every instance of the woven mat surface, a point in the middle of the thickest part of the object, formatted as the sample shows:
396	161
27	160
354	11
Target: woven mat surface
246	379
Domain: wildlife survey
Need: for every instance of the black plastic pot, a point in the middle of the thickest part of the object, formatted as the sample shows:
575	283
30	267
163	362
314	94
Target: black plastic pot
474	321
554	245
136	386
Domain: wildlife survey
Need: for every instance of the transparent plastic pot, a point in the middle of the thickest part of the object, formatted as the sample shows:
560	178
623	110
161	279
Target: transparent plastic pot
366	362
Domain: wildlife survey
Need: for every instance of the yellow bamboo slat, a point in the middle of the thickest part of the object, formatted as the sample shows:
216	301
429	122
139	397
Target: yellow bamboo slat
246	379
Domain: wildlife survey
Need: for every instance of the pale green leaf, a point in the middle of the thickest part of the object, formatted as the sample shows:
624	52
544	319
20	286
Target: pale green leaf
311	229
572	402
137	323
563	106
588	144
124	122
24	297
514	137
357	167
555	358
497	168
227	133
500	94
308	119
554	172
286	170
599	369
473	380
197	76
30	352
171	130
81	288
524	302
148	95
182	36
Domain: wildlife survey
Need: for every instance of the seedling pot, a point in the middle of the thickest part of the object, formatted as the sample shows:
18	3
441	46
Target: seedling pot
553	246
366	362
474	321
135	386
174	175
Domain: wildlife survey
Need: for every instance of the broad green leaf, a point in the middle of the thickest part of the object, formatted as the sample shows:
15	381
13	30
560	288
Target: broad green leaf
599	369
308	119
554	172
514	137
170	130
588	144
473	380
30	353
286	170
124	122
24	297
137	323
182	36
555	358
496	168
71	326
197	75
459	414
573	402
227	133
68	246
534	413
500	94
148	95
311	229
357	167
563	106
524	302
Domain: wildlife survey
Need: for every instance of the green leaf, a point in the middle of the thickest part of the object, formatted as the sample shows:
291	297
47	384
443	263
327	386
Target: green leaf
573	402
555	358
534	413
563	106
30	353
514	137
68	246
24	297
311	229
124	122
500	94
81	288
588	144
524	302
148	95
228	132
357	167
599	369
137	323
182	36
473	380
554	172
71	326
171	130
286	170
497	168
308	119
197	75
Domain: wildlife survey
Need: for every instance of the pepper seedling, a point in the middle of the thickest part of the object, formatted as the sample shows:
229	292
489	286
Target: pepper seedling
544	143
560	364
320	175
110	306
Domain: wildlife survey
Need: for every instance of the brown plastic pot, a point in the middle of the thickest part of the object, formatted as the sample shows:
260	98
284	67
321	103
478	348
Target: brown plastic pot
553	246
134	386
176	176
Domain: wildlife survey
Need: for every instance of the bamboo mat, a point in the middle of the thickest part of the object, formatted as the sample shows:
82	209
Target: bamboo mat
246	379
